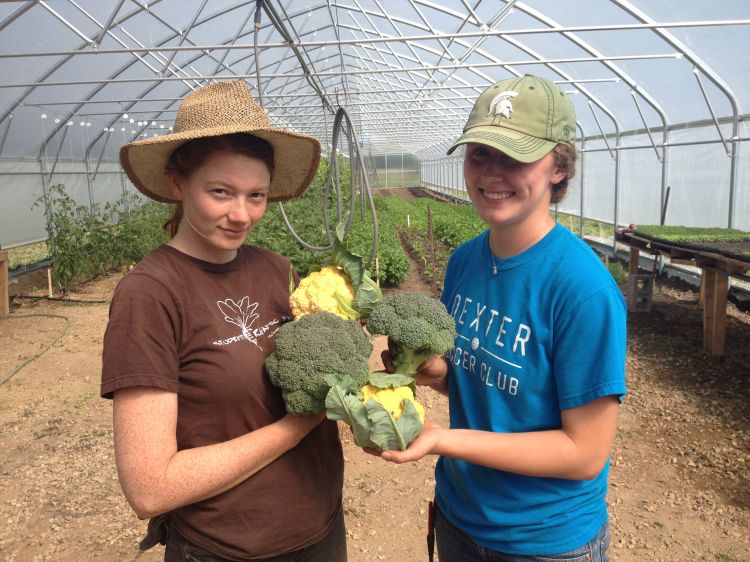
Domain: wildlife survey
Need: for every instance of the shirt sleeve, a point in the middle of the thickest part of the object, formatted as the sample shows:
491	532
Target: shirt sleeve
140	343
590	348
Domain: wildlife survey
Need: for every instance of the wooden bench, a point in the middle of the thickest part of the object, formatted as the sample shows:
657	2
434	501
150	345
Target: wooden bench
715	272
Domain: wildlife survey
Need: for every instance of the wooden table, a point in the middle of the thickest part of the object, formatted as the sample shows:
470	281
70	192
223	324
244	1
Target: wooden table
4	302
715	272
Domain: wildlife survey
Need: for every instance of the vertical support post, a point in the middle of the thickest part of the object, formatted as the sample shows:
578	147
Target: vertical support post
431	241
89	185
385	159
714	310
124	191
582	175
635	255
4	284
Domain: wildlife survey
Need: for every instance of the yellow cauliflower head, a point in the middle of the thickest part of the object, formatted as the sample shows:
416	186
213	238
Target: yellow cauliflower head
327	290
392	399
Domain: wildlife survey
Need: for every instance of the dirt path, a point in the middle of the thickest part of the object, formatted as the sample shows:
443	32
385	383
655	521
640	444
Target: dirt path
680	485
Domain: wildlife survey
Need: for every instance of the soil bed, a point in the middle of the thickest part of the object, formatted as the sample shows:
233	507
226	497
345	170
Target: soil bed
680	488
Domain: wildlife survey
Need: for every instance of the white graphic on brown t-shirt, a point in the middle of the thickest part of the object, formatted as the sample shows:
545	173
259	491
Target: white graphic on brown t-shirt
243	315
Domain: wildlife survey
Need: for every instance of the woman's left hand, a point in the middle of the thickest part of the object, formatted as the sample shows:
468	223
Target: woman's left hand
422	446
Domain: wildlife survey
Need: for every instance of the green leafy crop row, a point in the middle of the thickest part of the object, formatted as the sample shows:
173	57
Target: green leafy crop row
694	234
88	241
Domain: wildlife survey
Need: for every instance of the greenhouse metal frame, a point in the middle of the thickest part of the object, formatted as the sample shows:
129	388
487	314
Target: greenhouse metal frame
661	90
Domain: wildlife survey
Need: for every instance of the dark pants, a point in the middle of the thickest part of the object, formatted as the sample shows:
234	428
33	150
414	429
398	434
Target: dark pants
331	549
455	546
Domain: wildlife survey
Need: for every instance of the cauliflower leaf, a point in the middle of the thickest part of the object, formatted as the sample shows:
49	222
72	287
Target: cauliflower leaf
382	414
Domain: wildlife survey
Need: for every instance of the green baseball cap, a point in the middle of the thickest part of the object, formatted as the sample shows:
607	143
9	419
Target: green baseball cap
524	117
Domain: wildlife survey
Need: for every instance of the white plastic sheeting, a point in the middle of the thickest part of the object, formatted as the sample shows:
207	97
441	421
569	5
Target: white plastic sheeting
661	88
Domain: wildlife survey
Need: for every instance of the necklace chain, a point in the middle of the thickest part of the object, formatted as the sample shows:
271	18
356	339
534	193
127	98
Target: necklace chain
533	241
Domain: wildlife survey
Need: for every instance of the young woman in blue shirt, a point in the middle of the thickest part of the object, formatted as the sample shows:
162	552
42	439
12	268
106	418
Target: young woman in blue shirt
538	368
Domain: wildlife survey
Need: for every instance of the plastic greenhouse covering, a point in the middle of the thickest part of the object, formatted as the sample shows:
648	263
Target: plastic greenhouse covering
661	90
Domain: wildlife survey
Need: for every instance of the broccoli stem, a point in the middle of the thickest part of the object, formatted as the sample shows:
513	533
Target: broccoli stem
406	360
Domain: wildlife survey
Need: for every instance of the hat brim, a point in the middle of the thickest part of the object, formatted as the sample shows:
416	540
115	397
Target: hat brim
296	159
518	146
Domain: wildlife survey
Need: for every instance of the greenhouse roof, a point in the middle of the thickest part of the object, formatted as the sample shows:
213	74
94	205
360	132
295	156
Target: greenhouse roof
81	77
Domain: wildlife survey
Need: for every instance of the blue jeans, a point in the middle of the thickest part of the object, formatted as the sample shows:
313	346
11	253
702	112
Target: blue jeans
455	546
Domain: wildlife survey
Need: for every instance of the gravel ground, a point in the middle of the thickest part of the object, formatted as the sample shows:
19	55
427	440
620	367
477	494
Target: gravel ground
679	481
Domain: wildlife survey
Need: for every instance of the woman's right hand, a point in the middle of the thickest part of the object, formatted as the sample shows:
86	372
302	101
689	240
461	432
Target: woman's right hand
433	372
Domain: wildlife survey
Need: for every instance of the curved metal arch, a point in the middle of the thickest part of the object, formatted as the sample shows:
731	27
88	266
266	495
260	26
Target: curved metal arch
408	44
718	82
582	44
437	53
592	98
623	76
126	66
391	51
610	66
49	72
156	80
495	60
686	51
17	14
495	20
189	62
278	23
416	24
57	66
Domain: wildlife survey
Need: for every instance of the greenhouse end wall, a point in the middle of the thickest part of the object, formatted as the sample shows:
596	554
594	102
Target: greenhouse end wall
697	175
22	219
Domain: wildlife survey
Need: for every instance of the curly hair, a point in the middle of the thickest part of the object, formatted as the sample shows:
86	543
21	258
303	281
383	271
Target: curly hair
565	161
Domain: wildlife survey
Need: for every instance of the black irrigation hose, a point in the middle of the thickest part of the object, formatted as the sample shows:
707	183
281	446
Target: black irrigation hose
59	299
333	174
333	179
29	268
53	342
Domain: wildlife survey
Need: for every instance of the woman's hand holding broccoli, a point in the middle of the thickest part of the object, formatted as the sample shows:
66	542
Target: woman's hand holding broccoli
432	372
418	326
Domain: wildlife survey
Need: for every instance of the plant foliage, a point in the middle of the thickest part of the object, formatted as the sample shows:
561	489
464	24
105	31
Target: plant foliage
89	240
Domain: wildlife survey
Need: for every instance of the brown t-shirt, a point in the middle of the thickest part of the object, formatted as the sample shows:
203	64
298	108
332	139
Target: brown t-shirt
203	330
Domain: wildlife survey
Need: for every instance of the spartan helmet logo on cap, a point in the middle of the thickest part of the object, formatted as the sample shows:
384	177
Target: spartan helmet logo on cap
501	105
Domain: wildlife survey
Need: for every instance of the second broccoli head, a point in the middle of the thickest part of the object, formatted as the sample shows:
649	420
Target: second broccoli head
418	324
310	348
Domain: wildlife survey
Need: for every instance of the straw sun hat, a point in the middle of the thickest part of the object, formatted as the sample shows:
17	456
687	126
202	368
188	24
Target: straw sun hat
219	109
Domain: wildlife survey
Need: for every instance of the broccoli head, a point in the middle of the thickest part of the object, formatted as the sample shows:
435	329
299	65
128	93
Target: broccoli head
311	347
419	325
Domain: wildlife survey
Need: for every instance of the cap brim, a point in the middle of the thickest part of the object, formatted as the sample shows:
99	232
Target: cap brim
296	159
518	146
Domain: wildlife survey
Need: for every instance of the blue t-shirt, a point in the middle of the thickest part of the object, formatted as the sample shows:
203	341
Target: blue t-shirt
544	334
